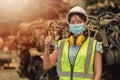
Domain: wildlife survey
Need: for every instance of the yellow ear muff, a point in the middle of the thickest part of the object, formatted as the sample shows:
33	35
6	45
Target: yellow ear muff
80	40
71	40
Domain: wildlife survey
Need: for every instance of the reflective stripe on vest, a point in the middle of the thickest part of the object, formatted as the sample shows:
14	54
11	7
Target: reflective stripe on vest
90	42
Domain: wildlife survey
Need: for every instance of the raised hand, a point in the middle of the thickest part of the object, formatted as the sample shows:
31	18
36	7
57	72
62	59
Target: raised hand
48	39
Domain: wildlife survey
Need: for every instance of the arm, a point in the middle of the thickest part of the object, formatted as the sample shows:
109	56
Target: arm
49	60
98	66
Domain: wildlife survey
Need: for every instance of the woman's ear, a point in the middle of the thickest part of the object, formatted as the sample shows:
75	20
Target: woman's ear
67	21
86	22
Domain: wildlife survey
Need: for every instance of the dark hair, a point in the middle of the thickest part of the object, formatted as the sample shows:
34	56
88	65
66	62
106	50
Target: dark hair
82	16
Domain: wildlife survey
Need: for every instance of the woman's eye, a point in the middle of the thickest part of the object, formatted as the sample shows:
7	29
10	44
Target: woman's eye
79	21
72	22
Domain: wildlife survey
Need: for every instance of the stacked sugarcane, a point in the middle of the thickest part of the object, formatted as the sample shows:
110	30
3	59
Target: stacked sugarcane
107	24
107	5
31	35
112	30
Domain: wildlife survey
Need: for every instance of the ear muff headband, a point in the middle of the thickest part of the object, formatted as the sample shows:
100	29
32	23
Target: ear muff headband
71	40
78	41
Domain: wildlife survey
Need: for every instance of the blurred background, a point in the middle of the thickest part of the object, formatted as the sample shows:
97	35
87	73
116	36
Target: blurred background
24	25
14	12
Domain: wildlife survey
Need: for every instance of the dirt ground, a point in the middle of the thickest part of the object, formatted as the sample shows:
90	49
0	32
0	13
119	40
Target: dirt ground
9	71
10	74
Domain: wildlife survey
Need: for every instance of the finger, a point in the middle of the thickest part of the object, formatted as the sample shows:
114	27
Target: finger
49	33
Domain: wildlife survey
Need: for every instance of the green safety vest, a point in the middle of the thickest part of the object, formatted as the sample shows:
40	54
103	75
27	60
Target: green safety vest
82	69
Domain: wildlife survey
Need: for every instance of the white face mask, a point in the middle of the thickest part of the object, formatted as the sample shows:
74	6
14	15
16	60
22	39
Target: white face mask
77	29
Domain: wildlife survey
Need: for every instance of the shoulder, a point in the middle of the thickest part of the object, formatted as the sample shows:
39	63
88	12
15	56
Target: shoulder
99	47
59	42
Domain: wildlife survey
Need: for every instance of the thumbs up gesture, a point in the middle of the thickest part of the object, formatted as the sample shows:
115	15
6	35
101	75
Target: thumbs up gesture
48	39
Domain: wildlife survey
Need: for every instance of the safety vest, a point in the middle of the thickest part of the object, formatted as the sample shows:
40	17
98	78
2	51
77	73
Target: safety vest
82	69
